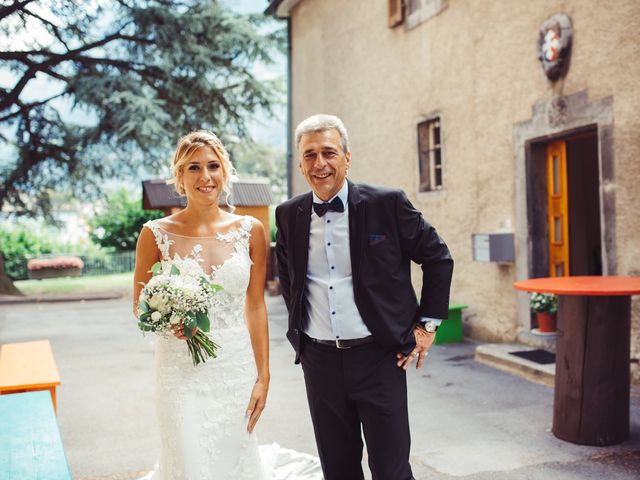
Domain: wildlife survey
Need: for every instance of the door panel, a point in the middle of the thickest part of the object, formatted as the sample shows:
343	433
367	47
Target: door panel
558	209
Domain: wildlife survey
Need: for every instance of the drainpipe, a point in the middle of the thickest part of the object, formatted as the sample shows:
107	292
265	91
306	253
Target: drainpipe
272	9
290	148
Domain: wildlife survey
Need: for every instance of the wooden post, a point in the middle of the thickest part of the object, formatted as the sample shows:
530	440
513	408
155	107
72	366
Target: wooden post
591	404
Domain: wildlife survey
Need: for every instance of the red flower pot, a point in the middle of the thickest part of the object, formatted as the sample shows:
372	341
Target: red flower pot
546	322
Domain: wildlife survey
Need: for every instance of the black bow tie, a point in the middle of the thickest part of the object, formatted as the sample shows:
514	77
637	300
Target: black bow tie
334	205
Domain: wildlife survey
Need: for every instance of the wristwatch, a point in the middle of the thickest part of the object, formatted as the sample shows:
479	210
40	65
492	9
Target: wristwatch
430	326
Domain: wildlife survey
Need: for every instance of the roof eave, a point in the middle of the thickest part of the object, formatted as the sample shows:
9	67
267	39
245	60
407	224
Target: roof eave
281	8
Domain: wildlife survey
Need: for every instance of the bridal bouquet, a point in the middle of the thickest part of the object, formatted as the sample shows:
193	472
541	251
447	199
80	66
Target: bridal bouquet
178	295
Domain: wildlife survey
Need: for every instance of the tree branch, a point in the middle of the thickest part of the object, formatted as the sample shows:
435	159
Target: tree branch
54	28
25	107
10	9
56	75
54	59
23	55
12	97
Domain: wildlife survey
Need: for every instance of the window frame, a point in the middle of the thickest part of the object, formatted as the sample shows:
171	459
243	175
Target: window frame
426	10
427	120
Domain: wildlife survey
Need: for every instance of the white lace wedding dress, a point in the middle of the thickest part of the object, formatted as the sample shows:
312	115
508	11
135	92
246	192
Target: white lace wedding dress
201	409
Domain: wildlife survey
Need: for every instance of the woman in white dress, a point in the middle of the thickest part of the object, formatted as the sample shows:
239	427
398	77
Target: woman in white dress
207	413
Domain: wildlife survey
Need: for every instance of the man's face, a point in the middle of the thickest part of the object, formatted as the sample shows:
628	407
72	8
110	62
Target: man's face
323	163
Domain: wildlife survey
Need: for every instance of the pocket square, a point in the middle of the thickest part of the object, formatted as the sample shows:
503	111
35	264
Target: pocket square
375	239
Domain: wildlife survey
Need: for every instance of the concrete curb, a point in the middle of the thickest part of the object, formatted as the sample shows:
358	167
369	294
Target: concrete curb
120	476
13	300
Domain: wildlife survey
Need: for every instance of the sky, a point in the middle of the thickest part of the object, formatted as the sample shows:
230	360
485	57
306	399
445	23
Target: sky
248	6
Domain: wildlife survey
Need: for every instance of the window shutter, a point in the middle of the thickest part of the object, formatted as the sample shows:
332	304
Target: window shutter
396	13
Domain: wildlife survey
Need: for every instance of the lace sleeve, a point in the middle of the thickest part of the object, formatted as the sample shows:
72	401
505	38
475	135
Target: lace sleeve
162	239
246	223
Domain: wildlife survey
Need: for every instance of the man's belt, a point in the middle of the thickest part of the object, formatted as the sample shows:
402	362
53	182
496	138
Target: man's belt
342	344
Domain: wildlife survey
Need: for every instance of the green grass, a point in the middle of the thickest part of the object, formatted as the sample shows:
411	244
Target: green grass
98	284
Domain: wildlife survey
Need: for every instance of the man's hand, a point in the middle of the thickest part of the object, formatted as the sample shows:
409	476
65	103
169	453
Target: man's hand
424	340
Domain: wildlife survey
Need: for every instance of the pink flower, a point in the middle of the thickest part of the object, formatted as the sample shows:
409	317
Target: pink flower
57	263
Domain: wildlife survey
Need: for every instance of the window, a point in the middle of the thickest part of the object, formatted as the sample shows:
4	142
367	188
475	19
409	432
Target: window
430	155
419	11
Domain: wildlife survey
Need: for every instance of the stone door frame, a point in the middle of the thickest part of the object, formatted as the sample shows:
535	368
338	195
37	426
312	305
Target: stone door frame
552	120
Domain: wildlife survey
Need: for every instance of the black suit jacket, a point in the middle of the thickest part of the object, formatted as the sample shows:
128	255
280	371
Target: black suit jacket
386	233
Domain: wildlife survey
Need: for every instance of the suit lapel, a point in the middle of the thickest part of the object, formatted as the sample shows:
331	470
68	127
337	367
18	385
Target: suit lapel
303	222
357	234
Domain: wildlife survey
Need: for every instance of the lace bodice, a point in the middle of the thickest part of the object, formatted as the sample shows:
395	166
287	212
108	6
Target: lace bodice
224	259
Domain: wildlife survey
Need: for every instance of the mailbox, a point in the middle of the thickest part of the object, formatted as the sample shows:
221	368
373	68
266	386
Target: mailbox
493	247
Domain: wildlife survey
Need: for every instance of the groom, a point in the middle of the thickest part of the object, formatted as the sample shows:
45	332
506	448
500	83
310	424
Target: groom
344	254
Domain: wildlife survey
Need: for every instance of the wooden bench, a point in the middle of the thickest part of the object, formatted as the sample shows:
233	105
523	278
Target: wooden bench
28	366
30	439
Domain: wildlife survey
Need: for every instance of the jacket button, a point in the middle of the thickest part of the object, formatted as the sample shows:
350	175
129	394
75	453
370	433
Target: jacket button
295	330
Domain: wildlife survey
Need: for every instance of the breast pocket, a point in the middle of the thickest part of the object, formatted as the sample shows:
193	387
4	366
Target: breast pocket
376	239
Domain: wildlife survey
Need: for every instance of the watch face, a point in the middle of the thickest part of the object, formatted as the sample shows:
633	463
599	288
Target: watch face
430	327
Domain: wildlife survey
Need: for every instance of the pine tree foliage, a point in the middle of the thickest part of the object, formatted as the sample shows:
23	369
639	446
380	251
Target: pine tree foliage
125	79
255	160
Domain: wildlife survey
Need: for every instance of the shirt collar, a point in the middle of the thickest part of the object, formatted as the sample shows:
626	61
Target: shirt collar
343	194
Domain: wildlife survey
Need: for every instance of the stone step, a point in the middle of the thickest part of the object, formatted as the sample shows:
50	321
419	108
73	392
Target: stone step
498	355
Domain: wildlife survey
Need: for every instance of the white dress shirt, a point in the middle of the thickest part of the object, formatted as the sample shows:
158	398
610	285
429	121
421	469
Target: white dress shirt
330	303
331	306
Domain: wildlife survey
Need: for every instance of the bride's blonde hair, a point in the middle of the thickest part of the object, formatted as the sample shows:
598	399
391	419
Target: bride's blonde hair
188	145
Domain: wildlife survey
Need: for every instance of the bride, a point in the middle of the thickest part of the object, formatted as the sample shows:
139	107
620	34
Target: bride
207	413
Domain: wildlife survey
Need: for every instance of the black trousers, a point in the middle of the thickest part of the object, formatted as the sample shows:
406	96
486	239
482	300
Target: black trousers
356	388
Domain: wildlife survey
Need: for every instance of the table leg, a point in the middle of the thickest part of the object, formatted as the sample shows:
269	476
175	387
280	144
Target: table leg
52	390
591	398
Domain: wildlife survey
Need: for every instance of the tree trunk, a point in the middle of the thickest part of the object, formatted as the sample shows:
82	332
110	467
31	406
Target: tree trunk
6	285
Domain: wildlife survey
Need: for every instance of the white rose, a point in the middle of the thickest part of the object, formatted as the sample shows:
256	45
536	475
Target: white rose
155	316
174	320
156	302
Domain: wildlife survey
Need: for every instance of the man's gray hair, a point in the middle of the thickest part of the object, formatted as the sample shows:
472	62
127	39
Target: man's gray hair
320	123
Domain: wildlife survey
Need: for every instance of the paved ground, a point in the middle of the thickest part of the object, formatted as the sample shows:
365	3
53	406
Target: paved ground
469	421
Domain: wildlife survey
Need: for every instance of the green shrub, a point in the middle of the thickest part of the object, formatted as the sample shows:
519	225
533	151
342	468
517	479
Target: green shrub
27	239
20	242
117	228
272	223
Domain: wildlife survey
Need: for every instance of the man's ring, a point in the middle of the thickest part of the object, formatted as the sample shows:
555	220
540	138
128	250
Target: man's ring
416	354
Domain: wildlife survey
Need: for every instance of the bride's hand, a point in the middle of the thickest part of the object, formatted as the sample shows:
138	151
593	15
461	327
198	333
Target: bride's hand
257	403
178	332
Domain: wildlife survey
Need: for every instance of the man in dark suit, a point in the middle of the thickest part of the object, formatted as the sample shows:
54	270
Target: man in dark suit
344	253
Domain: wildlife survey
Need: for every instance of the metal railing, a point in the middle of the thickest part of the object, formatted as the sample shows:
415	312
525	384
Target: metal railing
100	264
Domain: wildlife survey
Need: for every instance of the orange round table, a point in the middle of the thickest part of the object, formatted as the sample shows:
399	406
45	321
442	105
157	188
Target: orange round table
591	396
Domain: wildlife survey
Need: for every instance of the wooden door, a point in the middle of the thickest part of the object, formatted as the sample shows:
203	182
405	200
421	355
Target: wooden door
558	209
